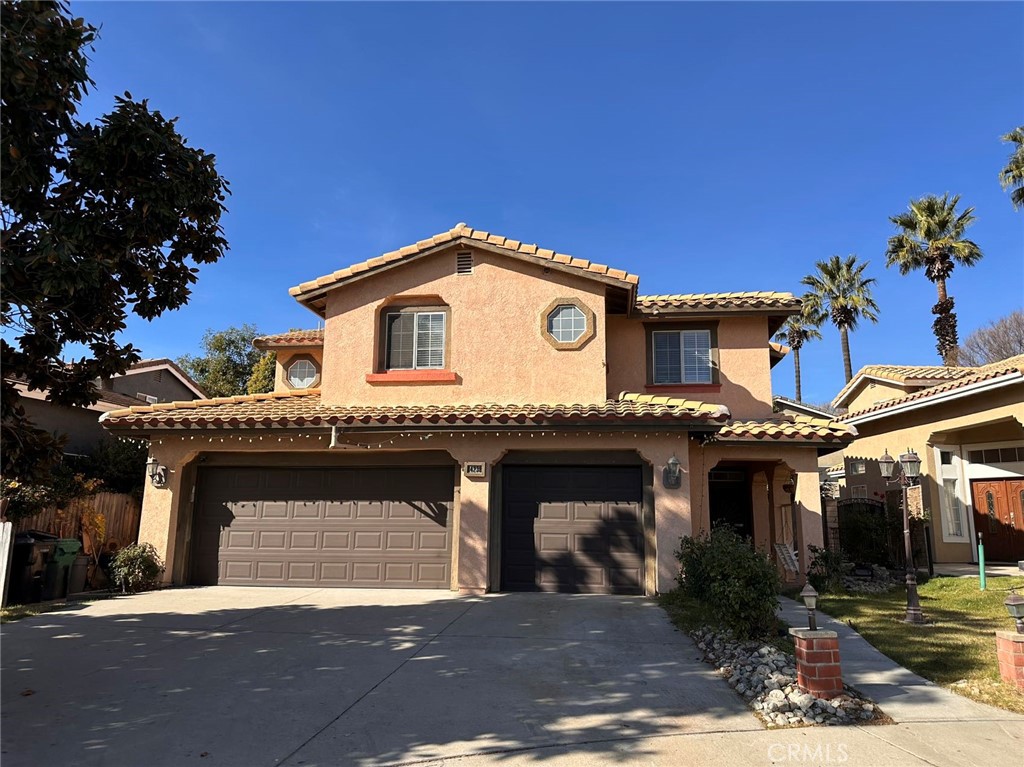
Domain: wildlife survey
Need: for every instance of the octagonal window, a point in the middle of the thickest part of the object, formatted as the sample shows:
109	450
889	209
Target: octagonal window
566	323
301	374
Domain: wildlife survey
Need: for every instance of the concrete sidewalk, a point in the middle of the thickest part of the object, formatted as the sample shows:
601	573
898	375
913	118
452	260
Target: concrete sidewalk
902	694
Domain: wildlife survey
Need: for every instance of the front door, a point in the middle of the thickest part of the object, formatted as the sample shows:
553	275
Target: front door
999	517
731	501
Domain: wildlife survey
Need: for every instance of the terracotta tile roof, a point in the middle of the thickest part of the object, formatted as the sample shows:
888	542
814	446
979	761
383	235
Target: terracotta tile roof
291	338
749	300
798	428
915	375
470	236
305	409
979	375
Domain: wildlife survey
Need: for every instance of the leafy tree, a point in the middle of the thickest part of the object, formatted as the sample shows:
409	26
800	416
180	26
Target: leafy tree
228	361
995	342
931	237
98	220
839	290
1012	176
797	331
263	372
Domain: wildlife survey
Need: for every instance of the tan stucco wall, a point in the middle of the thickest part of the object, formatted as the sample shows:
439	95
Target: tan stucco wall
677	512
915	429
495	341
284	360
869	392
744	364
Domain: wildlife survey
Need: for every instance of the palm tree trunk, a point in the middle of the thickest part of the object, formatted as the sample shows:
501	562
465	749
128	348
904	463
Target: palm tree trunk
796	369
944	327
844	337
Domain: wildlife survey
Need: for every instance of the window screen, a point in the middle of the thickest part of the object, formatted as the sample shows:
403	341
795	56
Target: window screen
682	356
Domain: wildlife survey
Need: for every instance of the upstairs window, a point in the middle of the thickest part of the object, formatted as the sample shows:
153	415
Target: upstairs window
416	339
301	374
681	357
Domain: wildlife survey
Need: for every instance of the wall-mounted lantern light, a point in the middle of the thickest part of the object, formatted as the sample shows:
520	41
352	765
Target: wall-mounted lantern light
157	472
789	486
672	476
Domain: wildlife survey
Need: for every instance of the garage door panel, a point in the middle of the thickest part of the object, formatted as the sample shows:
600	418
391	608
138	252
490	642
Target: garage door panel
296	533
573	529
303	539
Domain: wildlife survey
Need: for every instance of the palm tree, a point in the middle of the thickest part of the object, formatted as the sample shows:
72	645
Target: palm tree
798	330
931	237
1012	176
840	290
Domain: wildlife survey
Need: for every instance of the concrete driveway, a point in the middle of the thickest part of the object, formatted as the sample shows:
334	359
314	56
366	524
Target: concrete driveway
247	676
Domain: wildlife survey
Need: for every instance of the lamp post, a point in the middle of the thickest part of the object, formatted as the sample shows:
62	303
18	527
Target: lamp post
810	597
1014	605
910	466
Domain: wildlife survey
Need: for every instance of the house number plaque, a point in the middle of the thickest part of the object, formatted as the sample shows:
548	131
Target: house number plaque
475	469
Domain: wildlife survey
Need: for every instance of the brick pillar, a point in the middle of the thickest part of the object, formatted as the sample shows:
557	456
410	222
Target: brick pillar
1010	650
817	662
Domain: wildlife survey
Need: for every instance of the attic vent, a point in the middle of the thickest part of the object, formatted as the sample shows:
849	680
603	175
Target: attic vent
463	263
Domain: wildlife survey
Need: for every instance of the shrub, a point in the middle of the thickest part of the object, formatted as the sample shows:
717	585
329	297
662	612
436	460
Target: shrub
119	463
136	568
826	570
728	575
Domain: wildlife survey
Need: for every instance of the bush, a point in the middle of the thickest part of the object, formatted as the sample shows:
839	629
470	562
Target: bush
826	570
728	575
136	568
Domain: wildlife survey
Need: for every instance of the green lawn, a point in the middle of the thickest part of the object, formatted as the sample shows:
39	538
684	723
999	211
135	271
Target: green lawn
956	646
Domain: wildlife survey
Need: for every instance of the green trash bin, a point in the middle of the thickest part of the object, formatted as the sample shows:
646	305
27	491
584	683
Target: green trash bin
55	582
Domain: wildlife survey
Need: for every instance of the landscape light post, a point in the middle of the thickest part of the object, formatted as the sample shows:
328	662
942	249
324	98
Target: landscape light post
910	470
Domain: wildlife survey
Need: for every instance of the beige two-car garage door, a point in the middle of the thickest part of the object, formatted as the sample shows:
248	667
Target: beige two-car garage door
366	527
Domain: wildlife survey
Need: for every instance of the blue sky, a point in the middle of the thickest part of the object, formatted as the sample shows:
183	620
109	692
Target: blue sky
706	147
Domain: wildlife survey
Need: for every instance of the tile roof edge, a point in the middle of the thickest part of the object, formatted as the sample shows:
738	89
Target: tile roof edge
471	237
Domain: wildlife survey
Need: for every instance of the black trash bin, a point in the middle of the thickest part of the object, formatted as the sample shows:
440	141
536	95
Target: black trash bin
55	581
31	553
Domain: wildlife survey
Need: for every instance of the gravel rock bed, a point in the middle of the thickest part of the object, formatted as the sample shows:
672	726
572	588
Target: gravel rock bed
766	678
879	582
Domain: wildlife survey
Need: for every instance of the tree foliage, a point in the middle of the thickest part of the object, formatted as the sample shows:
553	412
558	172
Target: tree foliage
1012	176
797	331
228	361
995	342
98	220
839	290
262	378
931	236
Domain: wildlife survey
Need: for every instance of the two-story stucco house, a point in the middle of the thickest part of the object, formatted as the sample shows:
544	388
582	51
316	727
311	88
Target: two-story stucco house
481	414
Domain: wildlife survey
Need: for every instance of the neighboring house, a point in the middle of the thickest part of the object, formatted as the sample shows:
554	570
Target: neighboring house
792	407
967	426
480	414
145	382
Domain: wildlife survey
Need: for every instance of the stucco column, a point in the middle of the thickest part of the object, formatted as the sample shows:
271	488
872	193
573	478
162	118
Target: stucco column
672	518
161	505
473	521
808	501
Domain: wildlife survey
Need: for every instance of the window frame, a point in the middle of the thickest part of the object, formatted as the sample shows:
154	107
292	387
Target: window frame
291	366
711	328
384	339
286	365
952	471
588	316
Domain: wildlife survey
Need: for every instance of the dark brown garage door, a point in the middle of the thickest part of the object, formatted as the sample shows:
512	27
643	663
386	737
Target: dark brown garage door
323	527
572	529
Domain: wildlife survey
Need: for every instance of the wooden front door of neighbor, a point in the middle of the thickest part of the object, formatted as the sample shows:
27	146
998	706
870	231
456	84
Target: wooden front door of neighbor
999	517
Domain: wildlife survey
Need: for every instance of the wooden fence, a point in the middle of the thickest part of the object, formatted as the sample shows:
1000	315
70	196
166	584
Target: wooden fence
120	511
